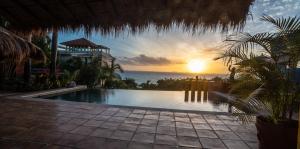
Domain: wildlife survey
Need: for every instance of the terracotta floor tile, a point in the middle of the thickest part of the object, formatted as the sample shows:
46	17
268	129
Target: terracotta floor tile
202	126
128	127
219	127
93	123
148	129
101	132
70	139
183	125
91	143
149	122
136	145
166	130
228	135
212	143
122	135
144	137
189	141
206	133
235	144
83	130
186	132
115	144
162	146
166	139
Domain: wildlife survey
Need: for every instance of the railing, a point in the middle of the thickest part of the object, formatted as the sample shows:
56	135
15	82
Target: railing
198	89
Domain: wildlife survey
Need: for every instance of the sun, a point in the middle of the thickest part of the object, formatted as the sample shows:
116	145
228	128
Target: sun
195	66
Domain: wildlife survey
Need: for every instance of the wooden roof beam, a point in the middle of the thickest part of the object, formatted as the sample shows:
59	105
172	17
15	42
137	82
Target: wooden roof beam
113	5
46	9
26	9
7	14
89	8
66	8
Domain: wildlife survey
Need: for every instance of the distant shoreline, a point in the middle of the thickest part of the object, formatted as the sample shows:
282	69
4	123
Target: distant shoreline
144	76
136	71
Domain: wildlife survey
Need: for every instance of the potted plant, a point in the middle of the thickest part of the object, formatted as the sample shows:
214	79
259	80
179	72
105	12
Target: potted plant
267	85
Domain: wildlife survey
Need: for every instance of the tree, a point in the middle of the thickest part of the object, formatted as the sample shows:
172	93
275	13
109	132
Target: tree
89	76
109	72
114	67
269	61
43	42
72	64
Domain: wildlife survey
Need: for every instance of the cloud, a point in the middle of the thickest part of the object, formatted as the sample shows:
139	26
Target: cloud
146	60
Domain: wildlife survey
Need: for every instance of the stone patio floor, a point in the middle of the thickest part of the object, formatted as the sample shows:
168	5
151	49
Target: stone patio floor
55	125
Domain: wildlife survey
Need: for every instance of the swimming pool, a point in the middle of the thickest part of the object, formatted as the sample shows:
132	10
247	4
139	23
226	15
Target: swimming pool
144	98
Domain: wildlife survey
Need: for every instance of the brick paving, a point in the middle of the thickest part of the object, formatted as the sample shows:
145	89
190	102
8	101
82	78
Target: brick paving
66	125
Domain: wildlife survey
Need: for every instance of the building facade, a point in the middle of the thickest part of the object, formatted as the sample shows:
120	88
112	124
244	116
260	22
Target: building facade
85	50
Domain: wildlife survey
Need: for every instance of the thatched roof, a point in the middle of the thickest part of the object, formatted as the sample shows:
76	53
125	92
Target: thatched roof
83	43
109	16
13	47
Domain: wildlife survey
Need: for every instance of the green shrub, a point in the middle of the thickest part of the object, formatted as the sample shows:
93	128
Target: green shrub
88	75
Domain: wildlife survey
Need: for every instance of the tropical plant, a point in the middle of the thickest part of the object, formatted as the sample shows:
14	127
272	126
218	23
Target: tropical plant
72	64
109	72
68	76
266	63
43	42
88	75
113	68
130	83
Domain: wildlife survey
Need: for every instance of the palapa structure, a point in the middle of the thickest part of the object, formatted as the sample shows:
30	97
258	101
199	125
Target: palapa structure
113	16
109	16
85	50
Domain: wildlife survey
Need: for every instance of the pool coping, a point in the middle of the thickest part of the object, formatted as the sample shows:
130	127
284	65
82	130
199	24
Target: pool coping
36	96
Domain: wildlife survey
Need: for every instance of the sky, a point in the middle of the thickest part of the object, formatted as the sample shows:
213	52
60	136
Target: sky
172	50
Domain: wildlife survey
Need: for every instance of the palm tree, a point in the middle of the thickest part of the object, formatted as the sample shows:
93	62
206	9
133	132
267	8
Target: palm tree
268	88
108	72
114	67
270	59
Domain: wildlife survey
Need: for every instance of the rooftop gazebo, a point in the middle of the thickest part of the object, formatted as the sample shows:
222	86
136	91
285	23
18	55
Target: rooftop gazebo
85	50
84	45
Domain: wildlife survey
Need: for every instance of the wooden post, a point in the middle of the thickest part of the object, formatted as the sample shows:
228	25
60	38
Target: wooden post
205	86
186	91
186	95
199	92
53	53
193	88
198	89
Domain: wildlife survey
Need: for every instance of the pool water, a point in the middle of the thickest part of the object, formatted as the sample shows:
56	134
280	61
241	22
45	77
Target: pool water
145	98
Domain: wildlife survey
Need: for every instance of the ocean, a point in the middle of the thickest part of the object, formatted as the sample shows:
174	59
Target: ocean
143	76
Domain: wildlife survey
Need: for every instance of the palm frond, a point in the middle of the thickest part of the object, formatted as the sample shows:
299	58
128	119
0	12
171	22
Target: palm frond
246	108
284	25
118	67
278	90
245	42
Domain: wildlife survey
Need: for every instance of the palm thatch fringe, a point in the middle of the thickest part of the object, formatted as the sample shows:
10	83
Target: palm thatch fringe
17	49
113	16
